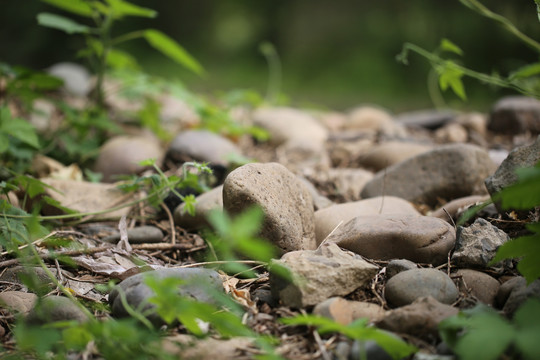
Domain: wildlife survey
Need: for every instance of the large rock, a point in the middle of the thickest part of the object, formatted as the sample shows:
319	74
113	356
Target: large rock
285	124
407	286
390	153
524	156
328	218
204	203
420	318
515	115
198	284
384	237
477	244
478	284
121	156
320	274
448	172
204	146
286	202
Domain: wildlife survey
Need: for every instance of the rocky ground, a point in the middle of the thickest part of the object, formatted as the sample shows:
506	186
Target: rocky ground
362	206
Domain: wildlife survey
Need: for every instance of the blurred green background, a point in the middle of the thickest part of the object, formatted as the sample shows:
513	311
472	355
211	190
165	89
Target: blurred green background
335	54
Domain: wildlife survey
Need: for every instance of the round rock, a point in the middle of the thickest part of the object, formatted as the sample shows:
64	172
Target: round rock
55	308
121	156
394	267
421	239
515	115
407	286
76	78
478	284
18	301
206	202
286	202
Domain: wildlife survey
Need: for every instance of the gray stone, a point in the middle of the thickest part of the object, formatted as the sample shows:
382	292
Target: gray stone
319	201
328	218
198	284
345	311
457	206
394	267
121	156
202	145
478	284
19	273
506	289
389	153
407	286
515	115
521	293
421	318
421	239
319	275
429	119
448	172
55	308
347	183
524	156
286	202
18	301
477	244
206	202
139	235
76	78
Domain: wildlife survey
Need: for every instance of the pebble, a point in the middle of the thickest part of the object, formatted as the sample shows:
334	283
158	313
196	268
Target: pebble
396	266
204	203
121	155
348	182
328	218
420	319
473	122
138	235
319	274
477	244
17	274
478	284
175	114
287	204
389	153
199	284
430	119
303	153
506	289
346	311
319	201
520	293
456	207
375	120
55	308
285	124
77	80
18	301
515	115
203	146
407	286
421	239
448	172
42	115
451	133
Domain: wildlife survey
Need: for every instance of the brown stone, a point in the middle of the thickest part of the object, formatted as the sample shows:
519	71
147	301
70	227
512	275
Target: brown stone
478	284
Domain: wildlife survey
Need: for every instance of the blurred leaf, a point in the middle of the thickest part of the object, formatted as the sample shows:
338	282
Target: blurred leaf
450	75
122	8
79	7
526	71
4	143
61	23
527	319
170	48
118	59
18	128
525	194
447	45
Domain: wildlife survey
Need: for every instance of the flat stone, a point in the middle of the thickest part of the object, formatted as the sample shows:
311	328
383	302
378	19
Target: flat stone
429	119
55	308
18	301
390	153
448	172
121	155
457	206
345	311
286	202
477	244
320	274
139	235
202	146
421	239
515	115
421	318
199	284
478	284
86	197
328	218
204	203
396	266
285	124
407	286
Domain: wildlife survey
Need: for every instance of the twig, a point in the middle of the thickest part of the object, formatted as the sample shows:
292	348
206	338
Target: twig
221	262
35	242
171	224
321	346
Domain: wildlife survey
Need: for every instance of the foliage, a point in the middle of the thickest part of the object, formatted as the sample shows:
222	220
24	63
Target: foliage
357	330
469	332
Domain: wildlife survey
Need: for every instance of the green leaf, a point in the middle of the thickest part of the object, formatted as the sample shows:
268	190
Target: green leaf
79	7
449	75
527	319
61	23
18	128
525	194
122	8
527	247
4	143
526	71
119	60
170	48
447	45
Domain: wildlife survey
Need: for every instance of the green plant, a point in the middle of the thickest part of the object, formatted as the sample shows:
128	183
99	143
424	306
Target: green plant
100	43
